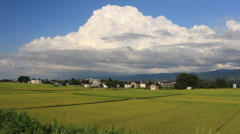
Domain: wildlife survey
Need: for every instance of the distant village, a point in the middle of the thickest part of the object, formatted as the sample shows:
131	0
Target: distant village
183	81
106	83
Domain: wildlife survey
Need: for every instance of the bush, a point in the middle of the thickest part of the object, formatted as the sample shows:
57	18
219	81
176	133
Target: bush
13	123
20	123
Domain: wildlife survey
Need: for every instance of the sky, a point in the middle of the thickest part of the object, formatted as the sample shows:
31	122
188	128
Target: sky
65	39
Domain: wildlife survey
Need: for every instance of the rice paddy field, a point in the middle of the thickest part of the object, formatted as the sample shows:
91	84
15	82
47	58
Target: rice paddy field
136	110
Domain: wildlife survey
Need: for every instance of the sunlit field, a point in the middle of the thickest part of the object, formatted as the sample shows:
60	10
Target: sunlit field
137	110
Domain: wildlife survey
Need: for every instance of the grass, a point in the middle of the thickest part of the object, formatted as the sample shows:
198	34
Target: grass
137	110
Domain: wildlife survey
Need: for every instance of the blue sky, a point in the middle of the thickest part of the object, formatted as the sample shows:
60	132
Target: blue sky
24	21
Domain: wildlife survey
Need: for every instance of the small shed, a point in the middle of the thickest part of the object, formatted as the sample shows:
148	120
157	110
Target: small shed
58	84
86	85
105	86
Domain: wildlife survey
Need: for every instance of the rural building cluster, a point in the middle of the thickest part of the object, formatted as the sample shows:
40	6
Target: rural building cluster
119	84
183	81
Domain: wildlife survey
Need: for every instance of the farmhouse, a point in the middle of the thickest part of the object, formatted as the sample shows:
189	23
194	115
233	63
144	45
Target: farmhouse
91	80
95	84
35	82
135	84
143	85
127	85
154	87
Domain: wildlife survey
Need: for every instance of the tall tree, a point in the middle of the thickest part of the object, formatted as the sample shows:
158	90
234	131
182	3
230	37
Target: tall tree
150	83
109	84
110	79
73	81
85	81
185	80
221	83
121	84
24	79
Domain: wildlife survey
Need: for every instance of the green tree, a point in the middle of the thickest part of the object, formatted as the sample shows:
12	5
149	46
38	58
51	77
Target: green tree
24	79
185	80
121	84
73	81
115	83
221	83
180	85
109	84
110	79
150	83
158	84
85	81
202	84
194	80
212	85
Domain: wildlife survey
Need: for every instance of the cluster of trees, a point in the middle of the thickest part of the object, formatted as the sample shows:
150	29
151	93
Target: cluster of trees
185	80
23	79
72	82
111	83
220	83
6	80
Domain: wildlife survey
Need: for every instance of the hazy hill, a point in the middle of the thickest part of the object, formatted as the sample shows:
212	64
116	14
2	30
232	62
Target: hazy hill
230	75
147	77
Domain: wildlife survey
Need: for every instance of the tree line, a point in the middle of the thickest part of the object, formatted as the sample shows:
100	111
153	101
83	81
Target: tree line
185	80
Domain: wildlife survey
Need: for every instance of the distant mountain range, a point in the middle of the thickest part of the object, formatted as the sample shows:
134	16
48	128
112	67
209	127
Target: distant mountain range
229	75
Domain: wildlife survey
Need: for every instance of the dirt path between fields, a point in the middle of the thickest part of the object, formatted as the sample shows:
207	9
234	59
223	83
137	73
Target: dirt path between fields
227	120
75	104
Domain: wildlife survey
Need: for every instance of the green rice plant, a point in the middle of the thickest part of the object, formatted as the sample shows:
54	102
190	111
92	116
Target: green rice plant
131	93
203	131
36	100
231	124
38	87
142	115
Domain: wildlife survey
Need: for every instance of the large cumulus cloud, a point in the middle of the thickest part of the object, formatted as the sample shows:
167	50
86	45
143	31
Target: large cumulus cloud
122	40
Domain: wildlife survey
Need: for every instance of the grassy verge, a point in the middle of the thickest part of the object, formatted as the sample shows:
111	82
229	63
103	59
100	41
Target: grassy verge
20	123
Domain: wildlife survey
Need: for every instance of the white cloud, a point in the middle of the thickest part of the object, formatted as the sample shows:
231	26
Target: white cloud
233	25
123	40
6	64
114	27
